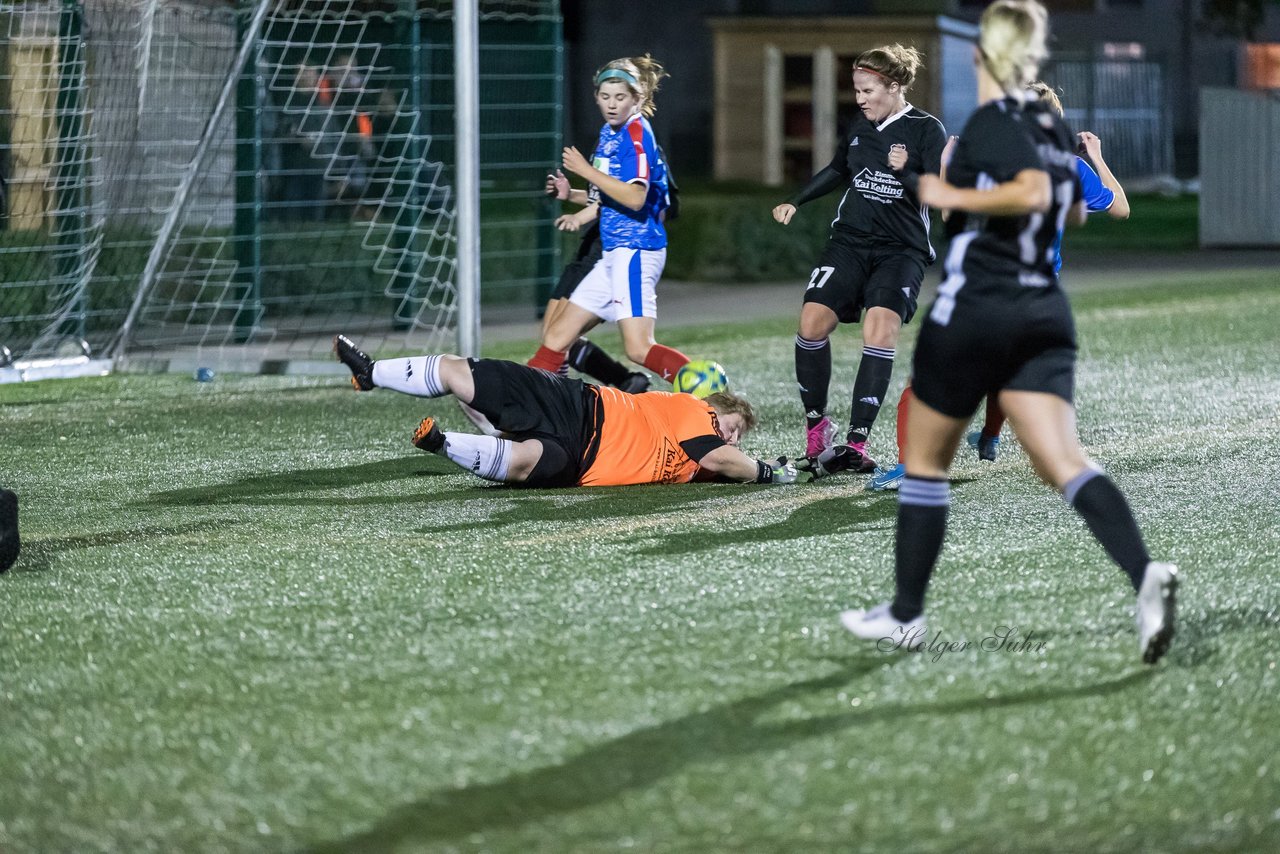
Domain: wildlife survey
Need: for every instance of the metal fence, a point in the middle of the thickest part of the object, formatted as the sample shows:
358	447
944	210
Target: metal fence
318	196
1126	103
1239	168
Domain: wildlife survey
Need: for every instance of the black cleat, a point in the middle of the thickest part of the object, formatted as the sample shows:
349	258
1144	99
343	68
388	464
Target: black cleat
10	544
354	358
635	383
836	459
988	447
864	463
428	436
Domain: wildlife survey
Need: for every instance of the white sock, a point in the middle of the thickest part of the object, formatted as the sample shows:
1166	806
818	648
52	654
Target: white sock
483	456
419	376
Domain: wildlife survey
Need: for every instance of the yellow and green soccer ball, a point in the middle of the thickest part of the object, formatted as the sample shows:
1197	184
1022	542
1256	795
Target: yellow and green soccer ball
700	378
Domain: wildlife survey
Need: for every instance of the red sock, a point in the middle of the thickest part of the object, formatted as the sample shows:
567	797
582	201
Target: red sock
995	418
547	359
903	403
665	361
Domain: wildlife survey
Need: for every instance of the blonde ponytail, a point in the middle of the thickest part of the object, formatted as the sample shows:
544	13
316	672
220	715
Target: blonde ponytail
895	63
1013	40
1046	95
641	74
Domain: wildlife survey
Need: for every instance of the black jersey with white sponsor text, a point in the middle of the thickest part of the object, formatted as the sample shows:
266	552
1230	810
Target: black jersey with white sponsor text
1001	139
876	206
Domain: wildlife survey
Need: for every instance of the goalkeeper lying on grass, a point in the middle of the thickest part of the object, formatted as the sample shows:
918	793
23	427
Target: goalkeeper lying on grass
561	432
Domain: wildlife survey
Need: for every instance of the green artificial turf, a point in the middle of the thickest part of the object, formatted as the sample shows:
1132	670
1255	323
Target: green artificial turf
249	616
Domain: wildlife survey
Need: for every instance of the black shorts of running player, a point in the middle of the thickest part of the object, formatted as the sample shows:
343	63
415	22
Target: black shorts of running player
590	251
528	403
1022	340
854	275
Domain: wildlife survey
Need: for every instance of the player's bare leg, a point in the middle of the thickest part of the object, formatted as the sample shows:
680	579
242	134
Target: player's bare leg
589	358
553	310
567	326
1045	424
932	439
643	349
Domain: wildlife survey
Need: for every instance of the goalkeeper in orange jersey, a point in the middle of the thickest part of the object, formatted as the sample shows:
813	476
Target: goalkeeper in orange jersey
555	431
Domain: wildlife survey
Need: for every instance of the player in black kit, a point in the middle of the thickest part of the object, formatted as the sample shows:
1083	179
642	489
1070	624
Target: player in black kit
1001	323
875	256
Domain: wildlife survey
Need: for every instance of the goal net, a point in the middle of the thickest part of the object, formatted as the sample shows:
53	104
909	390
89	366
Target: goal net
195	183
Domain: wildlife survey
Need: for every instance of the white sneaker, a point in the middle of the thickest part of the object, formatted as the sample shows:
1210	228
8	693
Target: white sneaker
1156	609
878	624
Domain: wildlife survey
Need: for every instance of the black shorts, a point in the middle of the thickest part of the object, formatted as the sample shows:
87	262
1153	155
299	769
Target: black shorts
529	403
851	277
590	250
1017	338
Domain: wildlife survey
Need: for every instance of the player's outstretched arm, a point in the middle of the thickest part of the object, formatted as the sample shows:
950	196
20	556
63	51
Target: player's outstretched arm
628	194
819	185
1092	146
1028	192
730	463
947	150
558	188
576	221
1077	215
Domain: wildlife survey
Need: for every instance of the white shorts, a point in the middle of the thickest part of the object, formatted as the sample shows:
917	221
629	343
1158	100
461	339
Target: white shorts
622	284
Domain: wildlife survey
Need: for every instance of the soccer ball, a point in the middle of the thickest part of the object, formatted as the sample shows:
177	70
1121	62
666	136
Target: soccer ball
700	378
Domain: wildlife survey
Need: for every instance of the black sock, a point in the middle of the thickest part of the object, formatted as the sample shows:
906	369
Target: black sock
813	374
10	542
589	359
922	523
1102	506
869	390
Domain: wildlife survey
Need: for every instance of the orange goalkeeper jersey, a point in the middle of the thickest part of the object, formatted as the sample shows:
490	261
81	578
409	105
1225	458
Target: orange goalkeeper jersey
654	437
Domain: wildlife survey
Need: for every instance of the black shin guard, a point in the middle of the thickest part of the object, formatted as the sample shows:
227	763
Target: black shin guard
589	359
813	375
869	389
